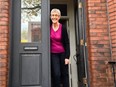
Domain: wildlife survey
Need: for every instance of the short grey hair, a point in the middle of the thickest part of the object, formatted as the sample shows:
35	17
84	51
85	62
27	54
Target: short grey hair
56	10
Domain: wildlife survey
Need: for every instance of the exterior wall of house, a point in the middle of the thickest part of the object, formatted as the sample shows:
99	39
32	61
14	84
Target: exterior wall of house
4	40
112	25
100	48
112	29
99	42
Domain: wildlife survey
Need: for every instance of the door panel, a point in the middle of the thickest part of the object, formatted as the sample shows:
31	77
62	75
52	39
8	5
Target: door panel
30	74
30	60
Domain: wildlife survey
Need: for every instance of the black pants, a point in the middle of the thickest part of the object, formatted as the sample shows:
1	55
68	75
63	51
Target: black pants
59	70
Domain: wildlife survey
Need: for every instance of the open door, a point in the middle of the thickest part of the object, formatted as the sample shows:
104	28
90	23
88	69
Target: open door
81	45
30	53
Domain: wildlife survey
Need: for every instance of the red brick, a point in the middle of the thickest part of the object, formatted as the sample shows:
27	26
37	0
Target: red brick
94	1
112	21
4	28
4	52
103	42
99	58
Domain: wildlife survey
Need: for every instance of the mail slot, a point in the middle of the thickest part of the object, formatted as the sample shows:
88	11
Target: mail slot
31	48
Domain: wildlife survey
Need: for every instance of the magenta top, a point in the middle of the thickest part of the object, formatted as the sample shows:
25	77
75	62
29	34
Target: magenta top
56	44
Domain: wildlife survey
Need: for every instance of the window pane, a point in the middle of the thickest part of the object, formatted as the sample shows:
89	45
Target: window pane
30	21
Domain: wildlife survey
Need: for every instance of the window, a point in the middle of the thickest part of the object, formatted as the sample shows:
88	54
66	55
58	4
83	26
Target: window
30	21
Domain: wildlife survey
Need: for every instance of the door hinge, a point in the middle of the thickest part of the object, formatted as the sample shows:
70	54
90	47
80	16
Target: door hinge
80	5
85	80
85	43
82	42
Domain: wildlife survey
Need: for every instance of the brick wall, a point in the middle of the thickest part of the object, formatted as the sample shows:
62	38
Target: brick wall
99	46
112	25
4	11
112	28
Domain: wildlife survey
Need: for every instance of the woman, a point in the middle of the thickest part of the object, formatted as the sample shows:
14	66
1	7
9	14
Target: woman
60	50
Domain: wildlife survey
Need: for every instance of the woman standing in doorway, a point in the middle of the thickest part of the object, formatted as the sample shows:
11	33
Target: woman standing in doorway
60	50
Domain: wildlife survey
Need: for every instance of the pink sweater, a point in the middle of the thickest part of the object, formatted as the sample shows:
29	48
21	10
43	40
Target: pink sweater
55	36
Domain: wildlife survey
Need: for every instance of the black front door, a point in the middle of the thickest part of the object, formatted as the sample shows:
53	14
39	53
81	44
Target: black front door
30	53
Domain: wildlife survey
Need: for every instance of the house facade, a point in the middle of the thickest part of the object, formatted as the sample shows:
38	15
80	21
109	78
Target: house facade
25	59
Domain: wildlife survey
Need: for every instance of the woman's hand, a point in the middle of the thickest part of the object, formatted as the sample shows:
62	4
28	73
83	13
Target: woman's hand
66	61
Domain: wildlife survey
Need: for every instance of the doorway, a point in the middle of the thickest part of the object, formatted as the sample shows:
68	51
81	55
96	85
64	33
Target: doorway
67	18
73	17
30	50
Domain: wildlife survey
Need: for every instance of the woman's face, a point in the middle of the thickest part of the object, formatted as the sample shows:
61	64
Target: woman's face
55	17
